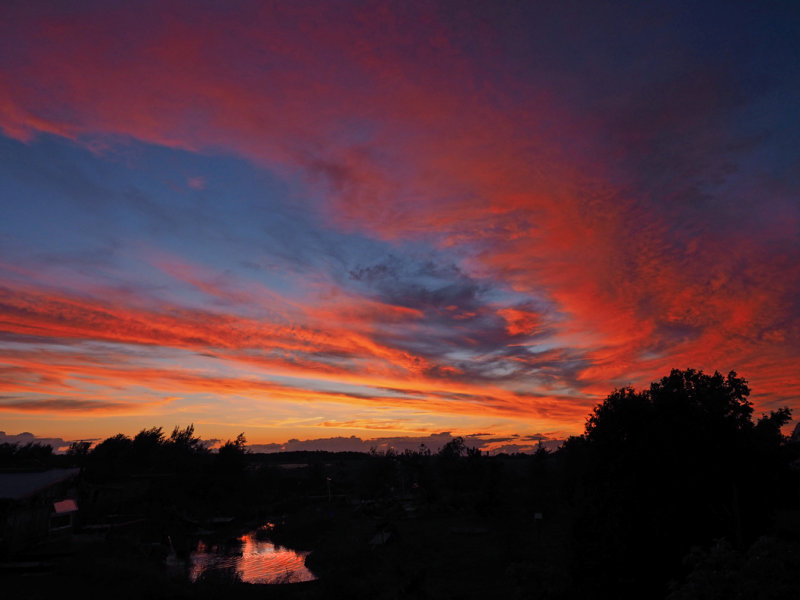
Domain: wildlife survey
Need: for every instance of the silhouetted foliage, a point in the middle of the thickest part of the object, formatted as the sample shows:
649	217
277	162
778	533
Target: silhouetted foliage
32	455
149	451
455	448
148	446
767	570
78	452
231	455
662	469
541	453
236	447
422	451
79	449
185	439
110	458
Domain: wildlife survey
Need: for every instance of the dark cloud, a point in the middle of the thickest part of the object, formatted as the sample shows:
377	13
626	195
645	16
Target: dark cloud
550	445
422	284
462	316
535	437
59	405
58	444
433	442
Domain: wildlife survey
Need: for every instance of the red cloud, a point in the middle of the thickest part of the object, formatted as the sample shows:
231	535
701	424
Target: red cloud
442	146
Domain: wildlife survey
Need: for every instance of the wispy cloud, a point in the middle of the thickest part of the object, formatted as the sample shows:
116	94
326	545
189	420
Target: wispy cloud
67	405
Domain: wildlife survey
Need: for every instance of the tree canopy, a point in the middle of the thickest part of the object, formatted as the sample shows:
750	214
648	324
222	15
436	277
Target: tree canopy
662	469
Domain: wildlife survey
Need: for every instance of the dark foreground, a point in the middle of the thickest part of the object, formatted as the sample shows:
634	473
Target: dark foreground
673	492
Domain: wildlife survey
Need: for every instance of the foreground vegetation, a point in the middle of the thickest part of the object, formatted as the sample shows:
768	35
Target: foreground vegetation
674	491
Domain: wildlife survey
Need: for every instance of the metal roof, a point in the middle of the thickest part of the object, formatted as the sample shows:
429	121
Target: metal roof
15	486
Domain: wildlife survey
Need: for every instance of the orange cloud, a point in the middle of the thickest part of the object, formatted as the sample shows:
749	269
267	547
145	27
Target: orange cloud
602	206
519	322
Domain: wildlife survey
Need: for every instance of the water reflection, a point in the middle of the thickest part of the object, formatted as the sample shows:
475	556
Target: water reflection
252	559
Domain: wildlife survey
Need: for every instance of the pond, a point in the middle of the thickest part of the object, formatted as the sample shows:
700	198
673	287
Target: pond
251	558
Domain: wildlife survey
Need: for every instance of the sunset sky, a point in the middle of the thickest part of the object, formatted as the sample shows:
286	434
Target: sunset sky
391	219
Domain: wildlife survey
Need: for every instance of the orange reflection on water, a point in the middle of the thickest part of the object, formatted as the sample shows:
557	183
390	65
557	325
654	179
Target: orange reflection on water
253	560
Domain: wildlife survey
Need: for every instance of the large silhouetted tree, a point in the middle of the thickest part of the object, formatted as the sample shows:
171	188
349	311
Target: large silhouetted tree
660	470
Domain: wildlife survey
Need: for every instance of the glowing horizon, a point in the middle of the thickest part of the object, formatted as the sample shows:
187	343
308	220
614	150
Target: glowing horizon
316	219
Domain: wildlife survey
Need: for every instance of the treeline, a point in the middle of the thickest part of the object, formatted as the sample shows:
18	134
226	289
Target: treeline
33	455
152	451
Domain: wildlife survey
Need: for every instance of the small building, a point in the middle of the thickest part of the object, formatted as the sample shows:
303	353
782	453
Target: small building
36	507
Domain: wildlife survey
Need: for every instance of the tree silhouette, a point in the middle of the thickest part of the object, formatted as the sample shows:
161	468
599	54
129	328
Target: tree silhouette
662	469
184	440
33	455
455	448
231	455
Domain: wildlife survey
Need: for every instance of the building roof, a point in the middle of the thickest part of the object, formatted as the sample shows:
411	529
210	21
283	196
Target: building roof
15	486
65	506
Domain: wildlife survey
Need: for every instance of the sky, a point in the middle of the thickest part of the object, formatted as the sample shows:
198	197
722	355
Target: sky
391	220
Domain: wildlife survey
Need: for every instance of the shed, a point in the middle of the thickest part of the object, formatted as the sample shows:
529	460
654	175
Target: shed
34	507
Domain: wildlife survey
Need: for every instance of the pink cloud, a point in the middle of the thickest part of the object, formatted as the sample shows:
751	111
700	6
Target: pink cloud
401	130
